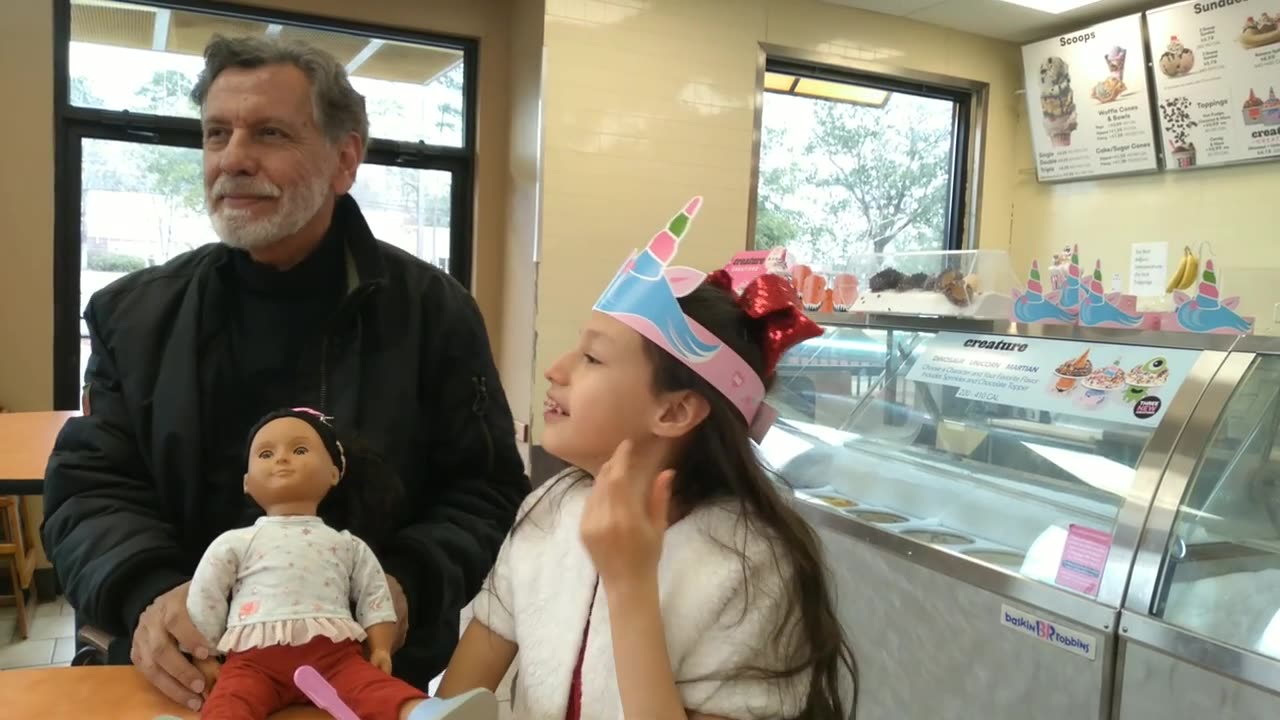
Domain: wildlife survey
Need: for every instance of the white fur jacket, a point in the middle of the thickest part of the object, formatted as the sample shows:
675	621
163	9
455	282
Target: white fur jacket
719	616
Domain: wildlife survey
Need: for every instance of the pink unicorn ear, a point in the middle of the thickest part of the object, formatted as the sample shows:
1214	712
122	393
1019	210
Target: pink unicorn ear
1180	297
1231	303
683	280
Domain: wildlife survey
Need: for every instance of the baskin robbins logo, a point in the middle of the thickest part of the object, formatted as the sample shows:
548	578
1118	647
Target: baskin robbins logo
1065	638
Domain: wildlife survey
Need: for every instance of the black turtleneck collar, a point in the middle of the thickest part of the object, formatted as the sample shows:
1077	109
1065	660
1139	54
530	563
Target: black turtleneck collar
320	273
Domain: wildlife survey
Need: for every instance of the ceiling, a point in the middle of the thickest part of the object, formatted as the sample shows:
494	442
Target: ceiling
1001	20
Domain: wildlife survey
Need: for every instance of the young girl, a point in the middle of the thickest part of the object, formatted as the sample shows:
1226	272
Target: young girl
666	577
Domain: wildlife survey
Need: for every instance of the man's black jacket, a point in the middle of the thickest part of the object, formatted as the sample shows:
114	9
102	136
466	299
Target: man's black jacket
404	364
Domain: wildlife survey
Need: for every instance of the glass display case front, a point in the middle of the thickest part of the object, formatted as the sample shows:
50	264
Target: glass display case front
1015	452
1221	577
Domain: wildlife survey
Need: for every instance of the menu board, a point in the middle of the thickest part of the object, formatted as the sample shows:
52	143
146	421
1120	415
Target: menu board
1089	103
1217	68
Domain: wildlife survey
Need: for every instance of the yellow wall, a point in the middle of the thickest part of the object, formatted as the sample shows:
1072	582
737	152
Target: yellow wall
26	205
519	280
1224	207
650	103
26	196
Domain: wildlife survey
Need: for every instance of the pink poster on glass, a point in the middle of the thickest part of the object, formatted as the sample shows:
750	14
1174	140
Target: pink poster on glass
1083	559
748	264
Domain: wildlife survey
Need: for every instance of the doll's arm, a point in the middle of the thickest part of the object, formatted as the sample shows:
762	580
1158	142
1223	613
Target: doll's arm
209	596
369	590
375	610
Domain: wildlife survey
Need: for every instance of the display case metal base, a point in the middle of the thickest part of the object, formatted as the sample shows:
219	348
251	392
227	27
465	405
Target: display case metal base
930	647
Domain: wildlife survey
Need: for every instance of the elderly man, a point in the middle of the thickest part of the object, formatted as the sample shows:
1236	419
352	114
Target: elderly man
299	305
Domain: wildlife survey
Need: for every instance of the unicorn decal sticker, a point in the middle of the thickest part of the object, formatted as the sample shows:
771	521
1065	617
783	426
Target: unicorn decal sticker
1033	306
1102	310
1206	312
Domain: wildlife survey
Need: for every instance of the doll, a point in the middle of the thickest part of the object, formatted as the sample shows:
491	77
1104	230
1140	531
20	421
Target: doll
279	594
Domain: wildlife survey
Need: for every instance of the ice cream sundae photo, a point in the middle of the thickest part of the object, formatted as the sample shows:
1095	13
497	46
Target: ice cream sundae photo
1271	109
1253	109
1071	371
1057	102
1175	115
1110	89
1260	31
1099	384
1178	59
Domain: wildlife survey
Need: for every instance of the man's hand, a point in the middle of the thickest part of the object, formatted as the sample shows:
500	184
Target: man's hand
401	604
164	633
209	668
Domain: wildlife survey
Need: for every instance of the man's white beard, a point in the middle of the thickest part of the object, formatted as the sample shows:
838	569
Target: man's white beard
239	229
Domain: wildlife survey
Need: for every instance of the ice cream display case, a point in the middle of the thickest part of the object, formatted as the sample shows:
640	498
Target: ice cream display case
986	497
1200	626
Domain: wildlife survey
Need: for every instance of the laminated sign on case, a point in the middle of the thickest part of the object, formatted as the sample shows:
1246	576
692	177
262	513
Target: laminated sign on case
1127	384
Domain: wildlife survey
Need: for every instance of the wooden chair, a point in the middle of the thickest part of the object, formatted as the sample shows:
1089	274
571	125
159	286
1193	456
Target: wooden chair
13	548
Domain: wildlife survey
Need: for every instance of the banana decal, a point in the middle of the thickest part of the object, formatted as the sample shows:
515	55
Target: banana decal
1187	273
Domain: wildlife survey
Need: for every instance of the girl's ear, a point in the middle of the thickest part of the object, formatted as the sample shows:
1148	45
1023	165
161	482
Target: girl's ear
246	483
679	413
336	476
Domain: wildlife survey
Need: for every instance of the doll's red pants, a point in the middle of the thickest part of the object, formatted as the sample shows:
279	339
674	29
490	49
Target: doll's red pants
256	683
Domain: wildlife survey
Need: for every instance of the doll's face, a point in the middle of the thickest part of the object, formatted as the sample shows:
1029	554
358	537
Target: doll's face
288	465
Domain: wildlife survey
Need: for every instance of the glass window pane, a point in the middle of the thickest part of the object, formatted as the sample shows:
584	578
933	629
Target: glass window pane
1222	574
145	59
408	208
140	205
847	170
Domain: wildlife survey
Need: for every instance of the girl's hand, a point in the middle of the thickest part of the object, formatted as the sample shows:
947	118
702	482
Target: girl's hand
625	518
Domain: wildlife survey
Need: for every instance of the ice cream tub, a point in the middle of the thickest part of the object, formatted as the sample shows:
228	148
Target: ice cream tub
937	537
878	517
1000	558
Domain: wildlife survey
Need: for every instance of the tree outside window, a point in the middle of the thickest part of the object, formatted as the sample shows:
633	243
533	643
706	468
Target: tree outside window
839	179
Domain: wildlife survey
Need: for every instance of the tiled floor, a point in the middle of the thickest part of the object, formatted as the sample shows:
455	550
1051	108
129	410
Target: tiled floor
51	641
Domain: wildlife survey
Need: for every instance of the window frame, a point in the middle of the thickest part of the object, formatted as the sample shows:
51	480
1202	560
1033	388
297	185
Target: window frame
968	98
73	125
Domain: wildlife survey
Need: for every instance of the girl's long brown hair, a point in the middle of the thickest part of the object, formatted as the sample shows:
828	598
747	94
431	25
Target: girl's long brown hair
719	463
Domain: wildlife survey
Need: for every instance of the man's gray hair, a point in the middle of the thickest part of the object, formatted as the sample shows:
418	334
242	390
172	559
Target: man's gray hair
339	109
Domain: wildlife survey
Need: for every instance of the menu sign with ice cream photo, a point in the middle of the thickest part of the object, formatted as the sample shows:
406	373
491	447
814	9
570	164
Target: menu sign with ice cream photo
1128	384
1089	104
1217	69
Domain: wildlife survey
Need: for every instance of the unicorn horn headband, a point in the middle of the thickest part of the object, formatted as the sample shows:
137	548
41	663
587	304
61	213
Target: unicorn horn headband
643	296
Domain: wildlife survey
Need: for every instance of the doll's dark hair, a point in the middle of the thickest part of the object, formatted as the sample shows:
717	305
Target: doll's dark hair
369	493
719	464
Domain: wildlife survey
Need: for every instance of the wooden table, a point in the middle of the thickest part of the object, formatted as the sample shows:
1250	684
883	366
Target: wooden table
26	439
99	693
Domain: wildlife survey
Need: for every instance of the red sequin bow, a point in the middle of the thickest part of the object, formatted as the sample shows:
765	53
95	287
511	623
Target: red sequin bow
773	299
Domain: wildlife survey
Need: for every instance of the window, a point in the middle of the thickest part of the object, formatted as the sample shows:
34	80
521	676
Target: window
129	181
856	164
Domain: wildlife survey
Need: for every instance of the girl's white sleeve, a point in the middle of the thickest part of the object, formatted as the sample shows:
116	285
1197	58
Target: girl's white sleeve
495	605
727	673
369	589
209	596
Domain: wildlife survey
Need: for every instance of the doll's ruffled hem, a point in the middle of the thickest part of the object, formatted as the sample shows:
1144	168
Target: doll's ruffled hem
298	631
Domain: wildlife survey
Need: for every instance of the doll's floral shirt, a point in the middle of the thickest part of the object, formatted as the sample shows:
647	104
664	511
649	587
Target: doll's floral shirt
286	581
